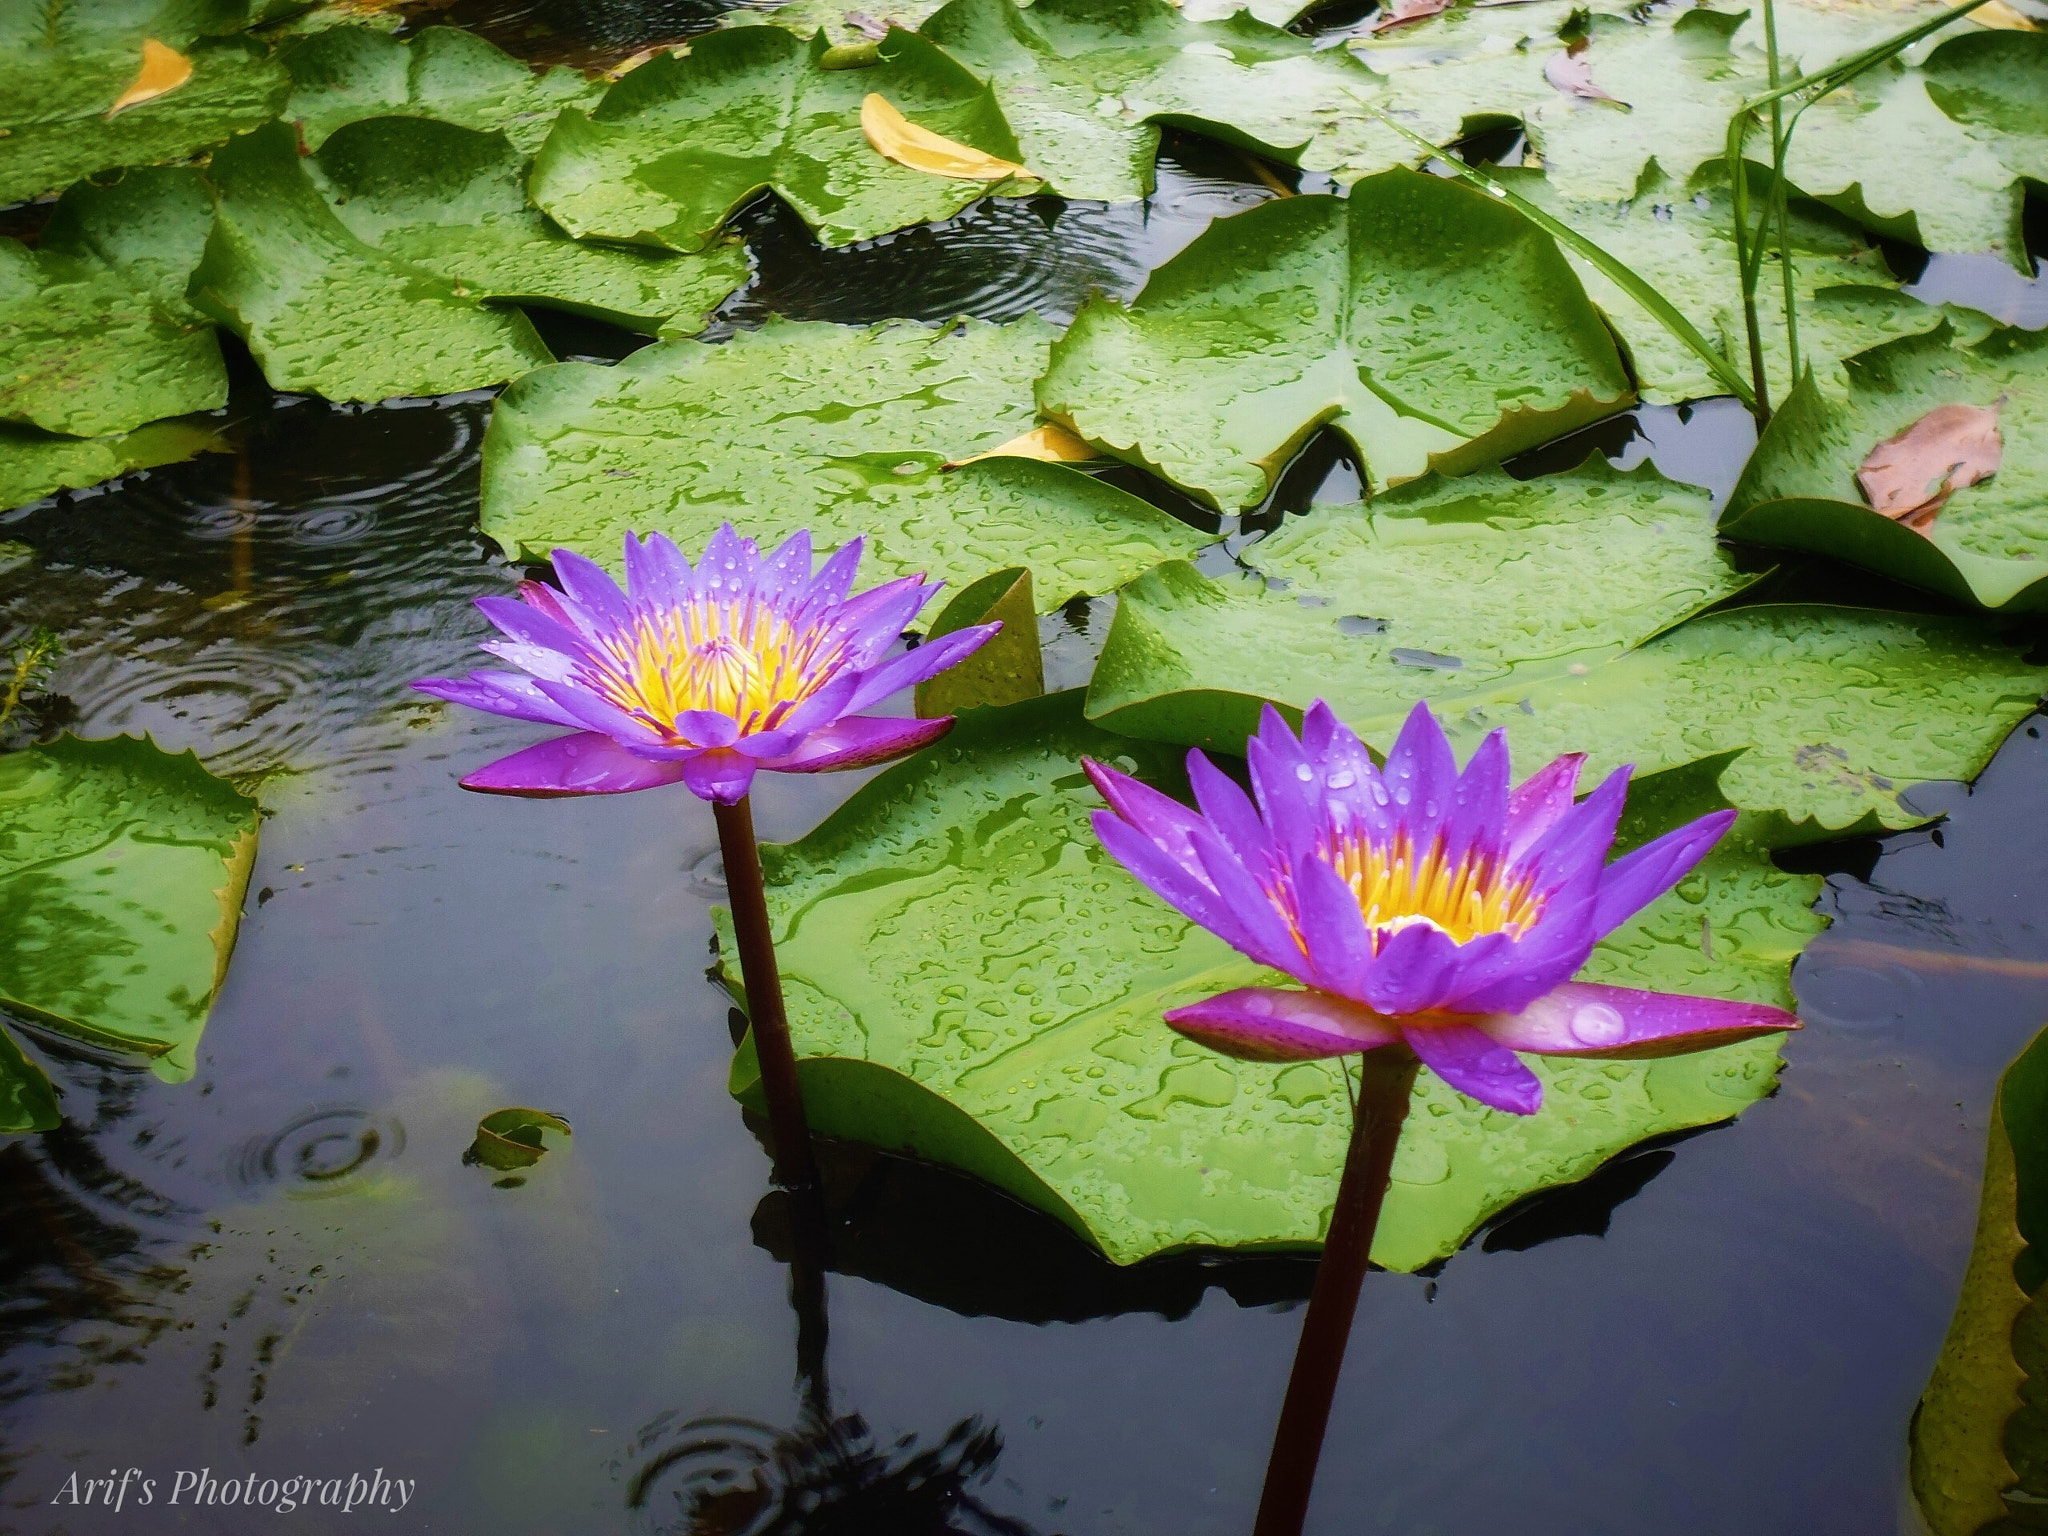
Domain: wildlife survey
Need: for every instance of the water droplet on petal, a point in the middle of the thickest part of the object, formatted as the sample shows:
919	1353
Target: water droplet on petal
1597	1024
1429	809
1499	1059
1403	794
1303	772
1343	778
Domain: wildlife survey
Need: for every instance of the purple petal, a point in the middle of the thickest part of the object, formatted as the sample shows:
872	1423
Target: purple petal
871	621
1636	879
856	741
1521	969
1257	924
588	763
1186	893
1333	931
550	665
1349	780
595	603
1623	1023
720	775
787	573
598	714
835	577
527	624
657	573
838	697
1580	838
1540	799
727	570
1476	1065
1421	774
1284	784
1160	818
707	728
1231	814
1480	800
1275	1024
919	663
1413	970
501	693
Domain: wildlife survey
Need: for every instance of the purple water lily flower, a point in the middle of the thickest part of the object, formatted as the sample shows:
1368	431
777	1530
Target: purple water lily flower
702	676
1416	904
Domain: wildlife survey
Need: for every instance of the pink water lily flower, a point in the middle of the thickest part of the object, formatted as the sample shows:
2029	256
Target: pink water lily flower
702	675
1416	904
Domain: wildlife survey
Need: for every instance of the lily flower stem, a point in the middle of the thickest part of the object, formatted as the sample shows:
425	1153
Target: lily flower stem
1387	1079
794	1166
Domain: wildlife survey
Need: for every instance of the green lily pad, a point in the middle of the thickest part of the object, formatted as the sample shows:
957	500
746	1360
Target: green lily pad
1086	84
1447	590
1987	545
122	870
805	425
63	66
453	201
1008	667
1681	241
325	313
679	144
148	226
83	353
836	17
346	74
1431	326
37	464
972	979
1980	1435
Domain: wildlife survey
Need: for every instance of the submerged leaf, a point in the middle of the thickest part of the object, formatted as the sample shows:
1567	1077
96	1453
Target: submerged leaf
973	980
840	430
1800	488
27	1100
325	313
1401	12
163	70
894	137
1910	476
122	870
507	1139
1572	73
1432	326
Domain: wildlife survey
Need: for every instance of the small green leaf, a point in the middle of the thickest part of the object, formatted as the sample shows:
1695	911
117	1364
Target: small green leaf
35	464
1430	325
1008	667
346	74
1987	544
453	202
839	430
971	979
1449	590
325	313
680	144
507	1139
122	870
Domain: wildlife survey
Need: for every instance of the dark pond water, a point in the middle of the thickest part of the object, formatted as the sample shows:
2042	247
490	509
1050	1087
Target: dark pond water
284	1268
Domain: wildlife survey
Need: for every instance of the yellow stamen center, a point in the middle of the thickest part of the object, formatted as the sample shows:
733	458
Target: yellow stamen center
1464	897
738	658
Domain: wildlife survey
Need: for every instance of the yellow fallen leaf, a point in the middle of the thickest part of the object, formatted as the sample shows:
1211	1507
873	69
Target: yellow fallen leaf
1052	445
1910	476
1997	14
163	69
895	137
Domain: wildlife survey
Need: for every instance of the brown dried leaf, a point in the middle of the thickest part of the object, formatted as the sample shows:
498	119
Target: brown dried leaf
1910	476
1404	11
163	69
895	137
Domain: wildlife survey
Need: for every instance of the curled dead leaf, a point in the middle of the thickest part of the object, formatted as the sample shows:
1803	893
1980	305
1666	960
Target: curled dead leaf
163	69
895	137
1910	476
1049	444
1572	73
1403	11
870	27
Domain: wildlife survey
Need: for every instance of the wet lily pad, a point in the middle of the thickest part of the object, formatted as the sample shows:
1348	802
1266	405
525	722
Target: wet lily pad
327	314
36	464
1980	1435
346	74
1430	325
148	226
679	144
1008	667
122	870
1680	239
1447	590
1989	542
1085	86
62	68
971	979
807	425
453	201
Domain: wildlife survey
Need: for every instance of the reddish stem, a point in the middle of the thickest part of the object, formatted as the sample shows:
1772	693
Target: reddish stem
1388	1077
763	981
